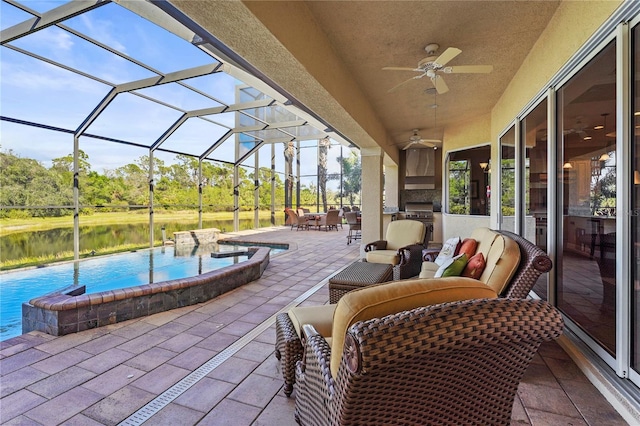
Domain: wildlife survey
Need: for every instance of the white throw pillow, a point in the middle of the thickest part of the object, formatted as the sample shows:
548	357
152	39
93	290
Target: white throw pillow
448	250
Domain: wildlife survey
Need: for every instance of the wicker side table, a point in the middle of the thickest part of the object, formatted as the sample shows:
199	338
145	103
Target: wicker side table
358	275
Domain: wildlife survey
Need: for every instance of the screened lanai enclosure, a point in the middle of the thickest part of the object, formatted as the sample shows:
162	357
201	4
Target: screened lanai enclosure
119	108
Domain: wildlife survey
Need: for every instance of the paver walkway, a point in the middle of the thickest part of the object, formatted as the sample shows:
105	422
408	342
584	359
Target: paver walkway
224	348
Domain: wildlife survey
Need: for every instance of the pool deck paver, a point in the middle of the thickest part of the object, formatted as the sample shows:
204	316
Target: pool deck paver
102	376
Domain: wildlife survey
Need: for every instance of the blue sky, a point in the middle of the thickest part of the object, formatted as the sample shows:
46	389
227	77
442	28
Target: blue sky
36	91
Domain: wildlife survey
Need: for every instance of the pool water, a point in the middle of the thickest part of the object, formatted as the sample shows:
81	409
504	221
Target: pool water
106	273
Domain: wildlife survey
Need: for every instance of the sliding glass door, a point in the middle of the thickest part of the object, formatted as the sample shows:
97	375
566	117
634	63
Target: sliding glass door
586	135
635	203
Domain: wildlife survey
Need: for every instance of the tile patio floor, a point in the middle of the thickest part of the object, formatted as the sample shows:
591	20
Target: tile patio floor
103	376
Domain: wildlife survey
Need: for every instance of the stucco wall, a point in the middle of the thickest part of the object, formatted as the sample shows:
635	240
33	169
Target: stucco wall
571	26
475	132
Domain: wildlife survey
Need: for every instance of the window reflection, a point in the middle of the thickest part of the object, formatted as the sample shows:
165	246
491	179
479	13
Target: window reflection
535	141
469	179
587	173
508	180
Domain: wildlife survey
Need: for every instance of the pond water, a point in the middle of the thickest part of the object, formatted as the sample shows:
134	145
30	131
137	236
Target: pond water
43	243
107	273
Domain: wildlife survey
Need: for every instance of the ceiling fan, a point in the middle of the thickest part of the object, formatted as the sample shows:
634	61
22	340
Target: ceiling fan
416	139
432	66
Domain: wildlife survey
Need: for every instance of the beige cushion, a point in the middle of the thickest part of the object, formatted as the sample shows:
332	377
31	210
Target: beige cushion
379	300
402	233
321	317
428	270
501	261
389	257
501	254
484	236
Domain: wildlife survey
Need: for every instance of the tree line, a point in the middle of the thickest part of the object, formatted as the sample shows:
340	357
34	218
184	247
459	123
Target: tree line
26	182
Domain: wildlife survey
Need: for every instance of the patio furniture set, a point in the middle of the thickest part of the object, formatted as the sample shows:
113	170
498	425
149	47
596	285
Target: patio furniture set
305	219
434	347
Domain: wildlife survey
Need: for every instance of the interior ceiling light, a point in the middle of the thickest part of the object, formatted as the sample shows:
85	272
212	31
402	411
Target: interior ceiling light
587	138
605	155
567	165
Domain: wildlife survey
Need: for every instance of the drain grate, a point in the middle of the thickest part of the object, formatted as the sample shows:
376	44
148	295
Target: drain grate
162	400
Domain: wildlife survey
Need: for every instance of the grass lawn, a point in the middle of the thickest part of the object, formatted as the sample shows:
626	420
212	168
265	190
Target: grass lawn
9	226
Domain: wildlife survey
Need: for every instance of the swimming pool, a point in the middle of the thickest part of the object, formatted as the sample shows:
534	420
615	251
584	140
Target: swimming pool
107	273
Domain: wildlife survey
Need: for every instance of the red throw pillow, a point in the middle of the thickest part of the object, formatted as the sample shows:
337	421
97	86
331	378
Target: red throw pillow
475	266
468	247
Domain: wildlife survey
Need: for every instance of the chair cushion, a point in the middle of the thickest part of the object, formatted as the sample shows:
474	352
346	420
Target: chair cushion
474	267
389	257
321	317
484	236
452	267
428	270
448	250
501	263
468	247
388	298
402	233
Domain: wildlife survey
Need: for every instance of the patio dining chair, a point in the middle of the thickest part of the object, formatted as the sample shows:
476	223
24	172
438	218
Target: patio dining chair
328	221
354	226
298	221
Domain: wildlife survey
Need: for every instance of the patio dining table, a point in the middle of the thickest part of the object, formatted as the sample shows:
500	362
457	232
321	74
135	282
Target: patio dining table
314	216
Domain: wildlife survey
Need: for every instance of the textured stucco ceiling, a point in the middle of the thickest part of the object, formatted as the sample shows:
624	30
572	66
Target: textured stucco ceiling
370	35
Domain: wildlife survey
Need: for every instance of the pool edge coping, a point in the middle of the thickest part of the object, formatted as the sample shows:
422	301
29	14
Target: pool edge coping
59	314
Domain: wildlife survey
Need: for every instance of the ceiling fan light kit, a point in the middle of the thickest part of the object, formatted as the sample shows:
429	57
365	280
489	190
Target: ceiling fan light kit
433	65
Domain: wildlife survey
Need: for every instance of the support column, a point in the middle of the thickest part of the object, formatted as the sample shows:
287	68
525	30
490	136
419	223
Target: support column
76	200
200	193
273	184
391	189
372	191
256	190
151	199
391	193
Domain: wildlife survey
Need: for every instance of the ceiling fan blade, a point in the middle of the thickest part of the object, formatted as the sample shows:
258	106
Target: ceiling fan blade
425	143
430	142
407	146
404	82
401	69
447	55
469	69
439	84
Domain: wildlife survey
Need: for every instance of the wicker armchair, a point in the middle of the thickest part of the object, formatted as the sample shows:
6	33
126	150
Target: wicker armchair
329	220
402	248
297	220
402	369
533	262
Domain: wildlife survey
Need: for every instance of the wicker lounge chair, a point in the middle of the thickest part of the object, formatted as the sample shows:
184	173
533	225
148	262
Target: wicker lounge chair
403	369
533	263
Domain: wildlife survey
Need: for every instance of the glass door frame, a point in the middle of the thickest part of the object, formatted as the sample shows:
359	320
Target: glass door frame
621	33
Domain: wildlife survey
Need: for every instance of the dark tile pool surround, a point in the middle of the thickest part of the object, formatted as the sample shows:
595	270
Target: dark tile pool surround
59	314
